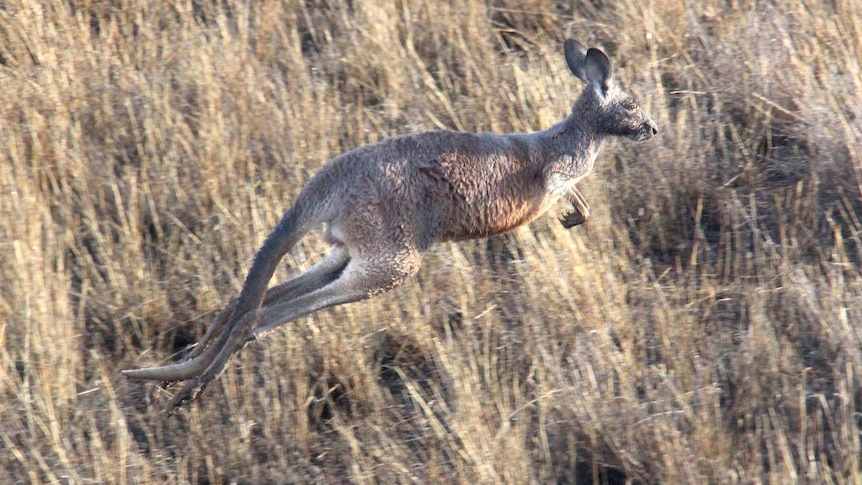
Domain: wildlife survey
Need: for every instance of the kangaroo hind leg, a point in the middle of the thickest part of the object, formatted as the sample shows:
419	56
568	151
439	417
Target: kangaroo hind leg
319	275
202	355
364	276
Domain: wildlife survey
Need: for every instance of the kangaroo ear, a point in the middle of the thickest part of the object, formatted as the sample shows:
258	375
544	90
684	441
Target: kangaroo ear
576	54
597	68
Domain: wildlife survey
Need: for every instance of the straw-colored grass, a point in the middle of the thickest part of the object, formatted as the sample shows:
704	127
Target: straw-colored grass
704	326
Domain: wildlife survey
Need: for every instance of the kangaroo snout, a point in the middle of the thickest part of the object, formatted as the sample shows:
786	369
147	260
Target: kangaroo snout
647	131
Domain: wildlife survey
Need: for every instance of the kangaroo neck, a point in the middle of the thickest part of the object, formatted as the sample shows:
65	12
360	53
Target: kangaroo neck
567	151
573	137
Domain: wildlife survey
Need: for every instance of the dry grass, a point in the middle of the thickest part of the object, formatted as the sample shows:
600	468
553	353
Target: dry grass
704	326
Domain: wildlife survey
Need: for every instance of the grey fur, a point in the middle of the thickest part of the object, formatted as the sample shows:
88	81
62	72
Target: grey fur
386	204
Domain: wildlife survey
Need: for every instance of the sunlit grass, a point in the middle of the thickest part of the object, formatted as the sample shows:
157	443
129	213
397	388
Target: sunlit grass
702	327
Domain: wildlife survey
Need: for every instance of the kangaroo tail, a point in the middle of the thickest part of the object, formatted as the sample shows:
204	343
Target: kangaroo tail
286	234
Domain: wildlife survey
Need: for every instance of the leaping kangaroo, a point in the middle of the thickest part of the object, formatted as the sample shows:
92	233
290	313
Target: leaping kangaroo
385	204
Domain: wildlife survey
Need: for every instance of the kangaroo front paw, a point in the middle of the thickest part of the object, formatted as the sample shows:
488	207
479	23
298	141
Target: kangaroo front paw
580	209
573	218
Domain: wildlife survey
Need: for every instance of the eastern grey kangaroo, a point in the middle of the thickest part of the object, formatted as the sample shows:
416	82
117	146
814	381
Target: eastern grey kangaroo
386	204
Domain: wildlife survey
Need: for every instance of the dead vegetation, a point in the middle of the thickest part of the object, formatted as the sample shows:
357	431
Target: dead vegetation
703	327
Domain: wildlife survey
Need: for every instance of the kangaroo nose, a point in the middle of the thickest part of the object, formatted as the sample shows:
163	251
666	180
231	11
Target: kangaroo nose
654	131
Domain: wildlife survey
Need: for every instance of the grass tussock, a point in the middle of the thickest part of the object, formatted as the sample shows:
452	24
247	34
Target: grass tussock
703	327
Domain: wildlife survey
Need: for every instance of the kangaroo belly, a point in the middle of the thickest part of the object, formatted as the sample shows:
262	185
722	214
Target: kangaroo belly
494	218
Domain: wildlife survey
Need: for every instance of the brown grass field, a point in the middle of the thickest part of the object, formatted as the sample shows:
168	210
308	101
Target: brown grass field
704	326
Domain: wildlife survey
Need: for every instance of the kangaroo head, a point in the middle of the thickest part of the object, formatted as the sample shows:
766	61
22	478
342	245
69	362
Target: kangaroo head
613	111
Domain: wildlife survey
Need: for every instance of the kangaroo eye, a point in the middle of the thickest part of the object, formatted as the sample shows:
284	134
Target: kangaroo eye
630	106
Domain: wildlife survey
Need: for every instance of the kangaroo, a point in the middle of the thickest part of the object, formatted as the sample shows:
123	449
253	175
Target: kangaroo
385	204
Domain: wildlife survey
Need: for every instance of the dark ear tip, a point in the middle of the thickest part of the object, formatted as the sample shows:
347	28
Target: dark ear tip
597	53
571	45
598	56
